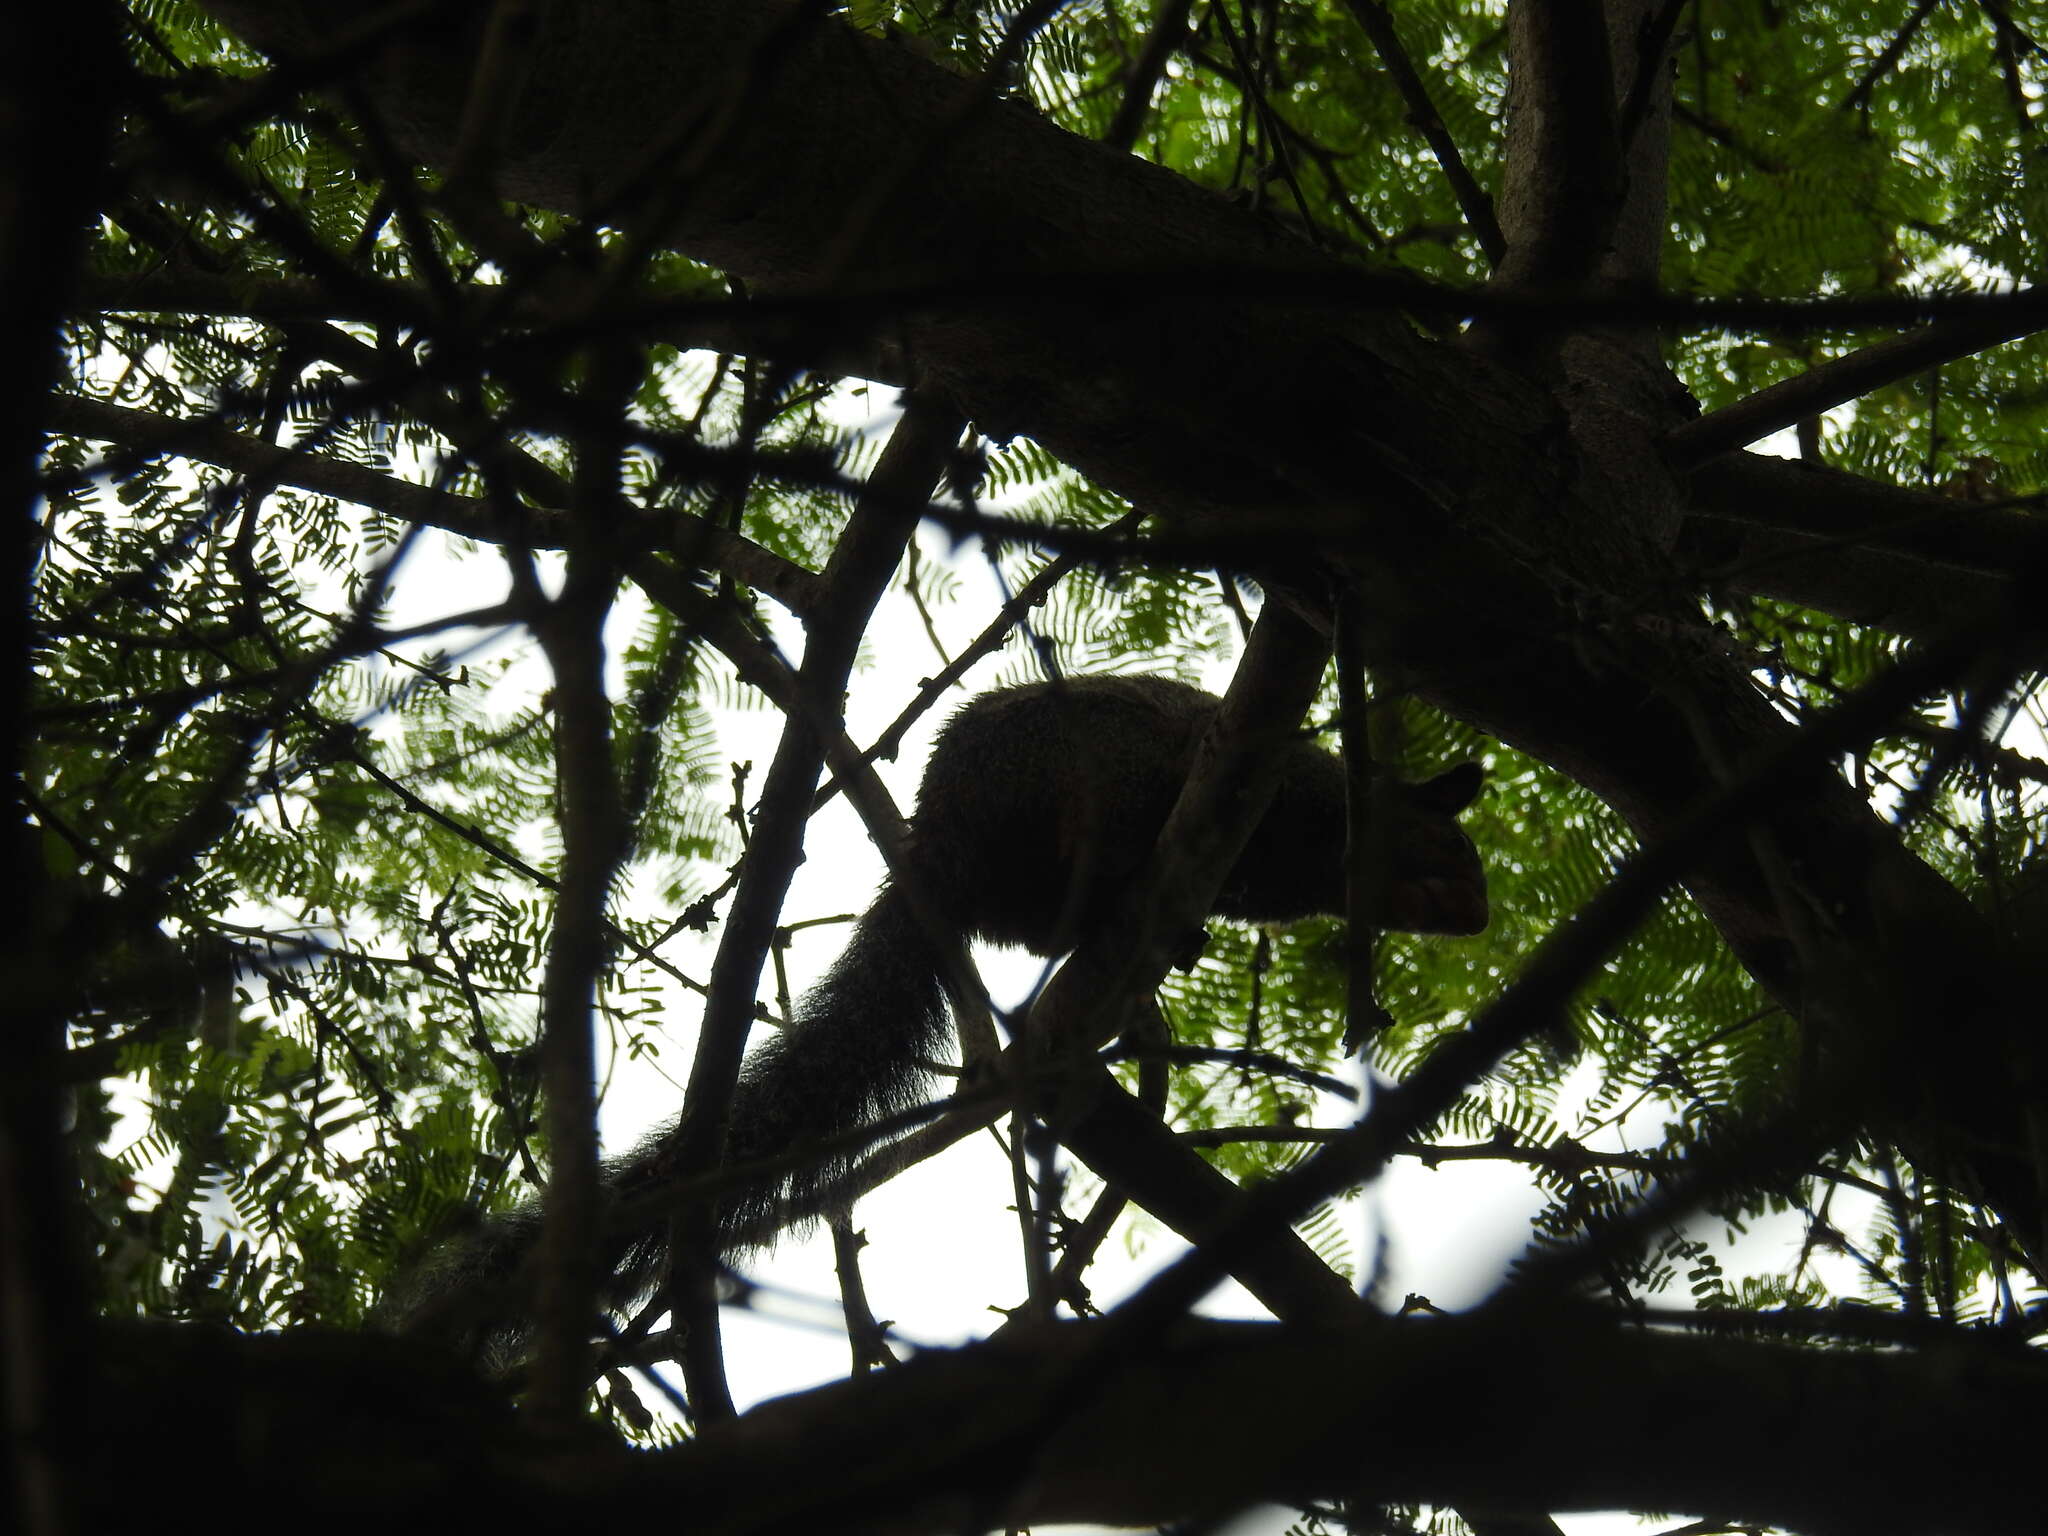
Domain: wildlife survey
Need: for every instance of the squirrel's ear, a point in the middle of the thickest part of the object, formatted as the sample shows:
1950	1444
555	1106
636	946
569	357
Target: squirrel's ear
1450	791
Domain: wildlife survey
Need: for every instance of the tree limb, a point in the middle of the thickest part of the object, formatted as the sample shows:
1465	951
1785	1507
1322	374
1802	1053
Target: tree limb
860	567
483	518
1373	19
1490	1411
1840	380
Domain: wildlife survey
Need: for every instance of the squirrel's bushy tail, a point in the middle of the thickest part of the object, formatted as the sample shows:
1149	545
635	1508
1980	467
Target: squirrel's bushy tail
857	1050
861	1047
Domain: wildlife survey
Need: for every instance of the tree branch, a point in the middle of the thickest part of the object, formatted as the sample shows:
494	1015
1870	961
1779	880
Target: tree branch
1467	490
1790	496
482	518
1169	32
571	633
860	568
1840	380
1343	1412
1563	186
1378	25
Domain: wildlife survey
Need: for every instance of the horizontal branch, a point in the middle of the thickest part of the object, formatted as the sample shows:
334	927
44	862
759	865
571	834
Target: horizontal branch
1563	1156
1338	1416
1551	1409
851	333
1796	497
474	517
1908	562
792	336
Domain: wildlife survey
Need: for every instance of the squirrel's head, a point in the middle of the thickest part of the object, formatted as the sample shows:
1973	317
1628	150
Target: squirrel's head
1436	883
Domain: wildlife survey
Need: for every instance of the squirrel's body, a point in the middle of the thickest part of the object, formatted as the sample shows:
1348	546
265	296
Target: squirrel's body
1038	805
1041	803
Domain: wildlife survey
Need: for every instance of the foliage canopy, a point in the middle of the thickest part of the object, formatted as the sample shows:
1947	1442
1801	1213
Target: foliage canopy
466	413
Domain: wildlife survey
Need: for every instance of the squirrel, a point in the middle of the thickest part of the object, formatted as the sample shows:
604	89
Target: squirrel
1038	805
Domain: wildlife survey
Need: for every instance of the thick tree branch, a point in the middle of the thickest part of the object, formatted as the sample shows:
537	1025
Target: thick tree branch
1645	82
1789	496
1356	1411
1564	186
1911	562
1340	1418
57	100
1894	593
